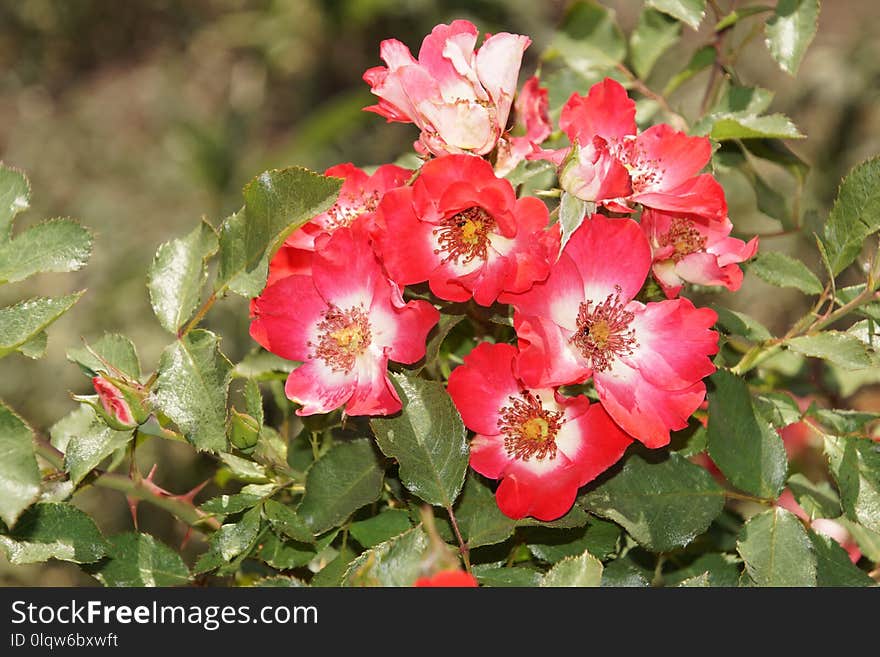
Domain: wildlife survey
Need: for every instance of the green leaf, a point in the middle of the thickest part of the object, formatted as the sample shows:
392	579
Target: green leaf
263	366
140	560
192	388
662	505
19	475
868	541
847	294
396	562
244	469
380	528
589	38
280	581
776	550
15	192
855	464
21	323
779	408
497	576
854	216
572	211
224	505
90	442
687	11
286	521
276	203
231	540
742	444
282	554
842	421
177	275
745	126
600	538
843	349
776	151
655	34
782	270
331	574
697	581
700	61
427	438
232	269
112	351
36	347
57	245
818	500
741	324
833	565
53	531
339	483
721	570
436	337
624	572
737	15
790	31
478	515
584	570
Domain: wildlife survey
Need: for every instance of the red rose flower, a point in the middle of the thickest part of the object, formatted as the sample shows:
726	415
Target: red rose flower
344	322
647	361
358	199
689	249
542	446
448	578
463	230
459	98
611	163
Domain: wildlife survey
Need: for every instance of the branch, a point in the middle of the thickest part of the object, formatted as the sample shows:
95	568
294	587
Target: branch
143	489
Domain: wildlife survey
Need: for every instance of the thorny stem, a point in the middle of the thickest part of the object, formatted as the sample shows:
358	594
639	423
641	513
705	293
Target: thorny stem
814	321
462	544
141	489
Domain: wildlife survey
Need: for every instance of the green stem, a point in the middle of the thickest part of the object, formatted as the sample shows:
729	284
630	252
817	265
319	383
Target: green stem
199	316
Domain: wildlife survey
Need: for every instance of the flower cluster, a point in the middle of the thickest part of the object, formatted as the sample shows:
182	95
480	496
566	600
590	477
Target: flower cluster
338	298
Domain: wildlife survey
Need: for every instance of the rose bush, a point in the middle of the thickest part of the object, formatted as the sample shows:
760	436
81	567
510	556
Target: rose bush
502	361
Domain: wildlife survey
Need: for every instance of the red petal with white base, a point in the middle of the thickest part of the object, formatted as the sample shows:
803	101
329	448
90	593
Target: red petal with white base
610	254
675	341
642	409
487	368
318	388
285	316
520	495
675	156
605	111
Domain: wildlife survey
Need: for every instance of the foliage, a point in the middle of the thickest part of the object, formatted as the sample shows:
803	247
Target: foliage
333	499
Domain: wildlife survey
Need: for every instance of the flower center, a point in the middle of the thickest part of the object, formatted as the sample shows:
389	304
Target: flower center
343	336
342	216
644	172
465	236
529	429
684	238
603	331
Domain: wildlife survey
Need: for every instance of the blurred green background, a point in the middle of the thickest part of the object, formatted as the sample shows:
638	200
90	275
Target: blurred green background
140	117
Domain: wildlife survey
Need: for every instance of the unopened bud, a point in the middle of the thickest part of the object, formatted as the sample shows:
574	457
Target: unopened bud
244	430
